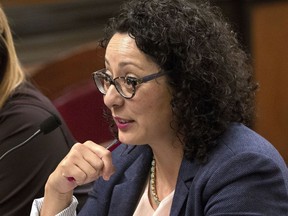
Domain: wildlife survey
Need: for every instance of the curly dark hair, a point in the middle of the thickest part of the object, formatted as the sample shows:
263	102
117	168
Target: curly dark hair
210	74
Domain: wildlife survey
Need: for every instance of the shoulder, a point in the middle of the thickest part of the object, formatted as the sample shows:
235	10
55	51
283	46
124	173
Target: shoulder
243	148
27	95
240	169
23	113
239	139
27	104
241	154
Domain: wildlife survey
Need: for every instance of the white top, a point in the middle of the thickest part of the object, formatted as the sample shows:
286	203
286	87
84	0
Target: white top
144	207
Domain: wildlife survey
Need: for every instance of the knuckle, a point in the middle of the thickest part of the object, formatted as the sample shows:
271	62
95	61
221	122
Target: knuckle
81	178
77	147
106	154
95	174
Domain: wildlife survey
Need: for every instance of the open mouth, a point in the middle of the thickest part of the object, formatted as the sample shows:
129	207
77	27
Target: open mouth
122	123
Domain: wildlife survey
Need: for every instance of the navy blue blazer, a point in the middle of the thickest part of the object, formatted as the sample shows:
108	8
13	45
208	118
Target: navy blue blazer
245	175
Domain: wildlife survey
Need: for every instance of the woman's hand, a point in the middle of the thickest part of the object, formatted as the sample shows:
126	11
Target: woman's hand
84	163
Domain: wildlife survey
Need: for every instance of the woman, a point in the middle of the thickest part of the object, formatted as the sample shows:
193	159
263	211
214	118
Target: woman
24	171
180	92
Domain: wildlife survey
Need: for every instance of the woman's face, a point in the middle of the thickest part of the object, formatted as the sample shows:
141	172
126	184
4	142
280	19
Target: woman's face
146	117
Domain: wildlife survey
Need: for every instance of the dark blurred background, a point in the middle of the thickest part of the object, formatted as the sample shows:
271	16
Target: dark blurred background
43	29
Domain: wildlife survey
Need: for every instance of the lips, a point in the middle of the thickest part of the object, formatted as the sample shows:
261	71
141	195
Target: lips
122	123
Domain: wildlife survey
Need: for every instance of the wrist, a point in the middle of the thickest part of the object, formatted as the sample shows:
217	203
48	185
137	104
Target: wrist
55	202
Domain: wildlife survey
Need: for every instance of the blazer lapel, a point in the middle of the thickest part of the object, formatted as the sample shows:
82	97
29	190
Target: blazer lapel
128	191
185	178
127	194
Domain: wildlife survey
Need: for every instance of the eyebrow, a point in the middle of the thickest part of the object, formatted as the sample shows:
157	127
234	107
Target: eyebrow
125	63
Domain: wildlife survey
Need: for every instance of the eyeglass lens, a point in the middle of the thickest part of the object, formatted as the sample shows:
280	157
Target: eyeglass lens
122	84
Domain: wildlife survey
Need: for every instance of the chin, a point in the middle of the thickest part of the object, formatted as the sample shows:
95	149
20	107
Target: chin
130	140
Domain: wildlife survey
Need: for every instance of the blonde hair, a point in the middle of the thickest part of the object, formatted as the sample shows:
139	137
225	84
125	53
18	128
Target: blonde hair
11	73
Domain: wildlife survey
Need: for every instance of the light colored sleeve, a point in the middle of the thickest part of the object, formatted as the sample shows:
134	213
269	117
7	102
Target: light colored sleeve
69	211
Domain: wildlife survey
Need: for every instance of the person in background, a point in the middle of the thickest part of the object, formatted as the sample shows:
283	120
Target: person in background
24	171
181	93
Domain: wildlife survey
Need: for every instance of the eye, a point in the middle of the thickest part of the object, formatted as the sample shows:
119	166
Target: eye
131	81
106	78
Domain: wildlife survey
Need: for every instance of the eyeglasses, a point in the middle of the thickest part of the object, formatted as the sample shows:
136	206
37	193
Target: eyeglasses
126	86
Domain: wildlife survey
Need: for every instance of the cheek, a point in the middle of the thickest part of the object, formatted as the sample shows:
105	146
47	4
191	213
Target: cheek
155	107
148	96
142	106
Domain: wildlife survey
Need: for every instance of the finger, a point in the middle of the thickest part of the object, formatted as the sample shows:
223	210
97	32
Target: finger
82	164
103	154
108	168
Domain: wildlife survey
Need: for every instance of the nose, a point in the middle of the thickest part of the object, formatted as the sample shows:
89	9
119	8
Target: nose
112	98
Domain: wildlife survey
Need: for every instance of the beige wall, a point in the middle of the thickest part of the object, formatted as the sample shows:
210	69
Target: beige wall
19	2
269	28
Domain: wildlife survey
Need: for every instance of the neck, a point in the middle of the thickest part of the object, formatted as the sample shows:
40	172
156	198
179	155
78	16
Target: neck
164	174
168	161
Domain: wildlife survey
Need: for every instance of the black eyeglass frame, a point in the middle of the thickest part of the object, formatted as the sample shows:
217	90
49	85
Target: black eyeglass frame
134	81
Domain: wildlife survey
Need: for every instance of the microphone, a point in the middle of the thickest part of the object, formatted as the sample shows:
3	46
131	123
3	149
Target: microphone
47	126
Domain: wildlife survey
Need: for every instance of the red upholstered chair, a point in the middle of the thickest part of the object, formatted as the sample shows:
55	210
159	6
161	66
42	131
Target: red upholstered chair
67	69
82	108
67	81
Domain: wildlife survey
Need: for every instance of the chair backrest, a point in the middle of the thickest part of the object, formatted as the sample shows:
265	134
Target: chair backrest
68	69
82	108
67	82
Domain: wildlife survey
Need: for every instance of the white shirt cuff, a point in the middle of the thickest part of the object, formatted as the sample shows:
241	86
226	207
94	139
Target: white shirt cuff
69	211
